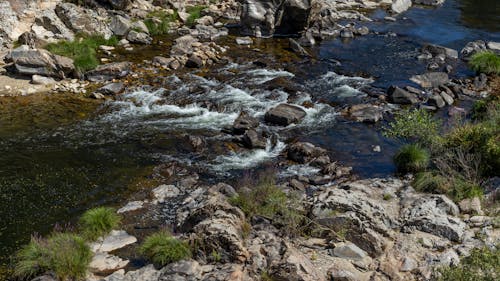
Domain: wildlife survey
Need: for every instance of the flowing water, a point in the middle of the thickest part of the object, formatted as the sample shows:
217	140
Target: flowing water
60	154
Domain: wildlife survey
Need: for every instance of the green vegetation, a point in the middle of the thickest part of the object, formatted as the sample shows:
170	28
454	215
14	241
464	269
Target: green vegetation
414	125
411	158
64	254
82	50
158	23
387	197
99	221
268	201
486	62
161	248
482	265
194	14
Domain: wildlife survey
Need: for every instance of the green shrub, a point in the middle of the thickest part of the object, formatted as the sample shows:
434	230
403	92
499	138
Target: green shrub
462	189
481	265
64	254
158	23
411	158
431	182
486	62
161	248
99	221
82	50
268	201
194	14
414	125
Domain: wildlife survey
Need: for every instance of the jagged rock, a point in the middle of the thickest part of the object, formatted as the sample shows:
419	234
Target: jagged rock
187	269
115	240
436	50
244	122
147	273
365	113
429	2
349	251
295	266
285	114
400	96
120	26
471	48
183	45
447	98
164	191
112	88
264	18
131	206
51	22
139	37
194	61
252	139
105	263
41	62
304	152
297	48
399	6
82	20
430	79
109	71
437	101
162	61
345	271
346	33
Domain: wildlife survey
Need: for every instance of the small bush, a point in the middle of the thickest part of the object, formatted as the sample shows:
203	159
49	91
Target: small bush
158	23
481	265
99	221
194	14
414	125
485	62
161	248
411	158
64	254
463	189
82	50
431	182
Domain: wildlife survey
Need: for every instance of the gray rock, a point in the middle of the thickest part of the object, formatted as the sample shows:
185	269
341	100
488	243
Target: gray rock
51	22
436	50
471	48
365	113
408	265
399	6
297	48
346	33
429	2
244	122
120	26
41	62
139	37
194	61
244	40
164	191
106	263
186	268
109	71
349	251
362	30
117	239
42	80
131	206
400	96
252	139
112	89
304	152
183	46
82	20
431	79
295	266
471	206
284	115
140	26
480	81
437	101
494	46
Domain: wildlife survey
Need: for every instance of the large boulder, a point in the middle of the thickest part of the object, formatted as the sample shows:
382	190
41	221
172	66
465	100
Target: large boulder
81	20
400	96
51	22
40	62
285	114
264	18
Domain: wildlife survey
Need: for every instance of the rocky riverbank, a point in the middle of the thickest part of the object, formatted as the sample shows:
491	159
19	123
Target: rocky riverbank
342	228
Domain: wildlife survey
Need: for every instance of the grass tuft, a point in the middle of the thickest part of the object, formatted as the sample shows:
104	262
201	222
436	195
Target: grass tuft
486	62
411	158
99	221
162	248
158	23
194	14
64	254
83	50
481	265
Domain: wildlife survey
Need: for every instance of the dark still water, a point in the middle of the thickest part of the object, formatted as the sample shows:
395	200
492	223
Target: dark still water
60	154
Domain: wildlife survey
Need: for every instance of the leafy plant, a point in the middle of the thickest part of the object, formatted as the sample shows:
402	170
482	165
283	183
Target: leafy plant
161	248
486	62
414	125
64	254
481	265
99	221
411	158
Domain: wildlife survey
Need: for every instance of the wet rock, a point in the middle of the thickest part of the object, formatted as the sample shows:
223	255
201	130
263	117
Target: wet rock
105	263
436	50
437	101
40	62
42	80
304	152
131	206
196	142
163	61
284	115
430	79
244	40
362	31
139	37
400	96
297	48
252	139
349	251
346	33
471	48
447	98
243	123
112	89
194	61
365	113
429	2
109	71
117	239
399	6
120	26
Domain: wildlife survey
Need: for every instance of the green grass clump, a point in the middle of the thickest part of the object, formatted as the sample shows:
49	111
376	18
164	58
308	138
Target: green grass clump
268	201
481	265
99	221
454	186
162	248
64	254
194	14
486	62
411	158
83	50
414	125
431	182
158	22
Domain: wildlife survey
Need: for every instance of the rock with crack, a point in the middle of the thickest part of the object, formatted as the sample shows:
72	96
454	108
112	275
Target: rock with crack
244	122
294	265
29	61
82	20
162	192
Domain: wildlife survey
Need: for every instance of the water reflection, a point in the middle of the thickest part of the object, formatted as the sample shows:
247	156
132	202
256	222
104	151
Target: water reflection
481	14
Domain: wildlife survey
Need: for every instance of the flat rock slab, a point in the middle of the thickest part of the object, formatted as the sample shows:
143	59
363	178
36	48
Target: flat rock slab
165	191
131	206
117	239
106	263
285	114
